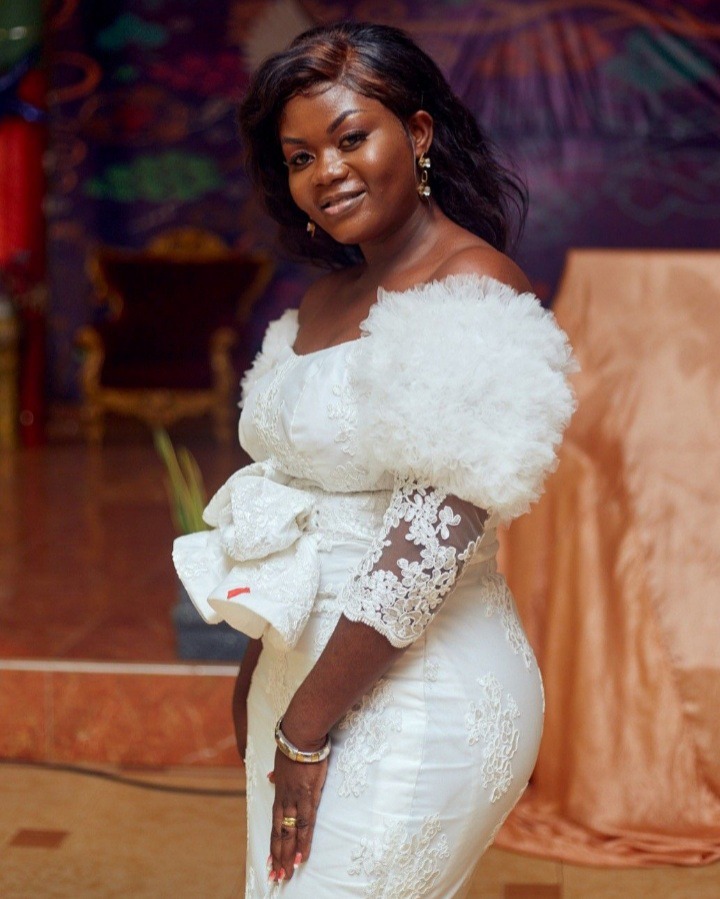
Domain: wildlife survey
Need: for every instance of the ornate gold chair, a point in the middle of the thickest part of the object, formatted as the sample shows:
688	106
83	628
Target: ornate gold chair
165	351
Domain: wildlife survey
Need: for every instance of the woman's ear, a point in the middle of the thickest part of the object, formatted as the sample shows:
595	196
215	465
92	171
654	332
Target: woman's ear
420	126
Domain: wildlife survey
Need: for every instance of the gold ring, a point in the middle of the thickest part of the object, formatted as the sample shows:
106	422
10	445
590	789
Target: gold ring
289	821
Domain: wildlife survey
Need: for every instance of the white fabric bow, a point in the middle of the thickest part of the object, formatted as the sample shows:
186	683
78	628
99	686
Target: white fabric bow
258	569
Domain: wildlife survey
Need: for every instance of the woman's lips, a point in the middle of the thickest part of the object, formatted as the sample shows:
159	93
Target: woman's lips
342	204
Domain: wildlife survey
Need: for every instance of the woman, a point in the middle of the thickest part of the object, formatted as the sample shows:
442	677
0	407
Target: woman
413	402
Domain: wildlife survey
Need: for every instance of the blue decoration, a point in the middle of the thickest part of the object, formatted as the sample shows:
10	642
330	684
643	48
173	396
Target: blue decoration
131	29
10	103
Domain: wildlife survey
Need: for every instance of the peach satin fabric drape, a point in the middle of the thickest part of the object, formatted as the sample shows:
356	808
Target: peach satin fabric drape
617	573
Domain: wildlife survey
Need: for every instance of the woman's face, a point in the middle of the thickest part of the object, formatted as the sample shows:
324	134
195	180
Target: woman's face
351	163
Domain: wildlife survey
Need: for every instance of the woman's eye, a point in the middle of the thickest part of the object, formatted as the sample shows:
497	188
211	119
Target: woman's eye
297	160
352	140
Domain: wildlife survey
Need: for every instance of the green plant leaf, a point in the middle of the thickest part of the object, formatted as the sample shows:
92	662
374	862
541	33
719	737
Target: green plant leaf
183	483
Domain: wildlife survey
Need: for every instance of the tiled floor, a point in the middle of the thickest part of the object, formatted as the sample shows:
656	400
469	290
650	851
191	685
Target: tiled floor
70	836
87	659
85	544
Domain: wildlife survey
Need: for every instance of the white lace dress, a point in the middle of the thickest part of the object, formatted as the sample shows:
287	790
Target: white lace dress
427	765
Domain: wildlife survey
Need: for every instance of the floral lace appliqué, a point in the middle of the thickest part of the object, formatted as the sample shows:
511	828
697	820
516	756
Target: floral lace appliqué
431	670
498	600
251	783
369	724
266	420
344	411
397	864
326	622
276	686
491	722
400	596
250	768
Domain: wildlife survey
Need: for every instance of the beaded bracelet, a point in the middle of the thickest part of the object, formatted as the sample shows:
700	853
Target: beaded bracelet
298	755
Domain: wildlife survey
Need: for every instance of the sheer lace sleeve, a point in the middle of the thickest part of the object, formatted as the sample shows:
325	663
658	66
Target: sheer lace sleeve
426	538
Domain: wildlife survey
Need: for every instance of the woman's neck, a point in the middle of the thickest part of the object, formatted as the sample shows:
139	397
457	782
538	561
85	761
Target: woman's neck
407	247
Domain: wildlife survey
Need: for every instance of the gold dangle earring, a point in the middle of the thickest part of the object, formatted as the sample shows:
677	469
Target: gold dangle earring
310	228
423	187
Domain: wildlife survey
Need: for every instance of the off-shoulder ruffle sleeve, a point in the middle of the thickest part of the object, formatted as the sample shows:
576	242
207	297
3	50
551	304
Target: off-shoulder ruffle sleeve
280	334
463	384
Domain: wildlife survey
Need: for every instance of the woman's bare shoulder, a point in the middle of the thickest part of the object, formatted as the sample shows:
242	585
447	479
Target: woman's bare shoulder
482	259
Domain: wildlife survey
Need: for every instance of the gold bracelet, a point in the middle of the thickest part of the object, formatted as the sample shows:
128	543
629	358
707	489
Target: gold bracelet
298	755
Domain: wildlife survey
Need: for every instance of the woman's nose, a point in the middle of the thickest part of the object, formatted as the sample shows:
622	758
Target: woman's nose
329	167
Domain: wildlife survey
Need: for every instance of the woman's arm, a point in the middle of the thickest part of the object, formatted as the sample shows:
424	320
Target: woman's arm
401	583
355	657
240	693
399	586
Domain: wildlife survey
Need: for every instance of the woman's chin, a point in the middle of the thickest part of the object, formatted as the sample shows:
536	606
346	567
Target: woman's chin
346	237
355	233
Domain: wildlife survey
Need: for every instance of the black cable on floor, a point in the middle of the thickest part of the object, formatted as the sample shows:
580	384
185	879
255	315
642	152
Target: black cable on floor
122	779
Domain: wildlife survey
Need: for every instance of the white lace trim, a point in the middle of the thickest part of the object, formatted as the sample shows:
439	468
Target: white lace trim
491	722
431	669
369	723
339	517
401	605
250	768
499	601
266	421
325	625
277	687
280	335
250	882
344	410
398	864
192	566
250	784
266	418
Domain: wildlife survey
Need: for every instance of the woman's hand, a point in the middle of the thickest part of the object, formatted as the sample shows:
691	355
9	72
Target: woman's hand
298	787
354	658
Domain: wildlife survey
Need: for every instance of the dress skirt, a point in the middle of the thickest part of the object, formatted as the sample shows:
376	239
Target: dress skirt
427	765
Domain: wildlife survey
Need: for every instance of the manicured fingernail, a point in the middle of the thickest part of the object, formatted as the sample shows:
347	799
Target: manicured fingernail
281	875
298	860
272	875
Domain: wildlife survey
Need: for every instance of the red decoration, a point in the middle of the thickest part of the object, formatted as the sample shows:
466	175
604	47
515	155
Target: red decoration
22	246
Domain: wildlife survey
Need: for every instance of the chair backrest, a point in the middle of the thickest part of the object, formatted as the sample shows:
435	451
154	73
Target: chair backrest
193	242
169	299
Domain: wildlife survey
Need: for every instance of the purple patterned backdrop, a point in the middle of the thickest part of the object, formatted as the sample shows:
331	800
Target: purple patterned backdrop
610	110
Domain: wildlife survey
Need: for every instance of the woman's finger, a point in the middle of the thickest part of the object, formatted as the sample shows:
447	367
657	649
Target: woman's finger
306	828
307	812
298	789
289	848
283	839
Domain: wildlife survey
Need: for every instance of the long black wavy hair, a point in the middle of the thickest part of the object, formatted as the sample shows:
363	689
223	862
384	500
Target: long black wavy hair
469	183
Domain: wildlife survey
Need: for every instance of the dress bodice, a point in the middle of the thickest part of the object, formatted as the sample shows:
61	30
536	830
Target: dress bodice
300	413
392	456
